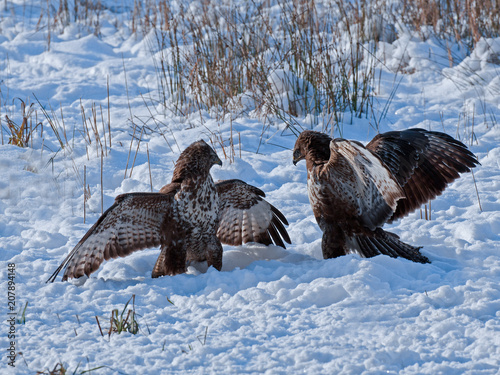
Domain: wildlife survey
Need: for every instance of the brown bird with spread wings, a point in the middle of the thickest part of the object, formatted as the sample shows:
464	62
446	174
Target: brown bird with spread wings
354	190
188	219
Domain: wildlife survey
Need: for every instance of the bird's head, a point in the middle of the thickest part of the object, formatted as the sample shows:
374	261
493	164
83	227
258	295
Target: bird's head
213	157
311	143
204	154
195	160
298	154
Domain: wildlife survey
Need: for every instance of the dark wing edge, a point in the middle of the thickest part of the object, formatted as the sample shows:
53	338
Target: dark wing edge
423	162
105	239
246	217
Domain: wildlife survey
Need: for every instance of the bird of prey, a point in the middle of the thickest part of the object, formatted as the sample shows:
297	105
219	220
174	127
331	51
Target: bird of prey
354	189
188	219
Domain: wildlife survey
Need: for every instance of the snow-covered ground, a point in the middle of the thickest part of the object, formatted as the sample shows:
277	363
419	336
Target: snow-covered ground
270	310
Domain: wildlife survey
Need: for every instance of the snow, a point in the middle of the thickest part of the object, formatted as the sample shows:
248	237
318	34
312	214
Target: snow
269	310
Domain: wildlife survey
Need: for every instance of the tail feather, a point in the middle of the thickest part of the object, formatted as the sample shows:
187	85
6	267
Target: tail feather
386	243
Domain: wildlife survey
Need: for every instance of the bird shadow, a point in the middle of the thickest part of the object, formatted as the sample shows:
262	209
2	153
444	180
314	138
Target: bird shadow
139	265
240	257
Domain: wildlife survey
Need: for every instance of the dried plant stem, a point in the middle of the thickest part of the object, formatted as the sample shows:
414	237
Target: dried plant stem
136	152
102	184
130	150
84	192
99	325
477	192
131	118
109	111
149	168
103	133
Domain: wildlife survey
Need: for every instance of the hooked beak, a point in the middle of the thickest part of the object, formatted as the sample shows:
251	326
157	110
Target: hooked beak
216	160
297	156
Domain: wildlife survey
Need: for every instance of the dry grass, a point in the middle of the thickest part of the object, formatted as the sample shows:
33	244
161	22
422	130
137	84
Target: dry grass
224	61
20	134
126	321
60	369
316	59
461	21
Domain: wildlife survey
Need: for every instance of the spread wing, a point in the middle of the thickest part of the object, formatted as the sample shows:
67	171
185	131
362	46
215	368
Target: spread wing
134	222
423	162
352	196
246	217
364	185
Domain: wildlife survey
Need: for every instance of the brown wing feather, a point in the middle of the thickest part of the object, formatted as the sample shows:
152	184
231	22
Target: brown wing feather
246	217
357	181
423	162
132	223
345	186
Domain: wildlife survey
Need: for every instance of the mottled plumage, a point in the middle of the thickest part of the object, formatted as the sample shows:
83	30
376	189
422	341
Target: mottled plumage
354	190
183	219
246	217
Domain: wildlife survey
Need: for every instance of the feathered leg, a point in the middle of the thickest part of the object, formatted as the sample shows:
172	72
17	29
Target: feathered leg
171	261
333	242
214	253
